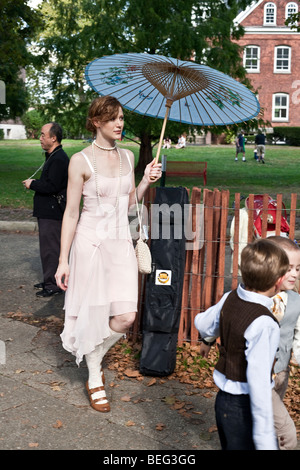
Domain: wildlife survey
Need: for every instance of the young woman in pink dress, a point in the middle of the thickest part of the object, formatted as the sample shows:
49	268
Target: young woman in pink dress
97	265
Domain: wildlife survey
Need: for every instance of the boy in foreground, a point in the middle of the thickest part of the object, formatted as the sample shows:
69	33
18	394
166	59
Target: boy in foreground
249	337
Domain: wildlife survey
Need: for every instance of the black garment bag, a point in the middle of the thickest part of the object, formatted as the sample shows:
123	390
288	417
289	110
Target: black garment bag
164	285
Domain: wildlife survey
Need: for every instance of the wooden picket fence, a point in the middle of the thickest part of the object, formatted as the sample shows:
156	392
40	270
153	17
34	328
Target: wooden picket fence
212	268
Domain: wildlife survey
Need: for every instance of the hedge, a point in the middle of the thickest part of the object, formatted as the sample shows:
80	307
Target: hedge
291	135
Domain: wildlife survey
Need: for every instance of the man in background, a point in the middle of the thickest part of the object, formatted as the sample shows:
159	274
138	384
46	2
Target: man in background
240	146
48	204
260	141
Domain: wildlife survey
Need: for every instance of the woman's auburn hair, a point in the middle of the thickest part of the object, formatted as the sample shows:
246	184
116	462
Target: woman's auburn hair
102	109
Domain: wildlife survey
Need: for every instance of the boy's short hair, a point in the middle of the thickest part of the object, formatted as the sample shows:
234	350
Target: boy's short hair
262	264
285	242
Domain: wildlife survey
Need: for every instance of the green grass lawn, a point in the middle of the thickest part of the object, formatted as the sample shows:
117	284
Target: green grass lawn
280	174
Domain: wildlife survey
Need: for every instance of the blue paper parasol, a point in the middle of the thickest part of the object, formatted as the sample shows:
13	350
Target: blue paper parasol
167	88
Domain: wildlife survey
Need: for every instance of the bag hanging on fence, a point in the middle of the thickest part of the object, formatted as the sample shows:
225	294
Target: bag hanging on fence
164	285
271	217
142	251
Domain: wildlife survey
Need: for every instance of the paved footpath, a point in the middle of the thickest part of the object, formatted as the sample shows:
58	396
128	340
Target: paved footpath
43	402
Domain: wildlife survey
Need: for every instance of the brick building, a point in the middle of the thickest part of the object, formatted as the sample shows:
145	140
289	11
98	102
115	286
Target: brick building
272	59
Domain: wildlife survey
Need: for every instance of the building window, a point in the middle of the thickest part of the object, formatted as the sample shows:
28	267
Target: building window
291	9
282	61
252	58
280	109
270	14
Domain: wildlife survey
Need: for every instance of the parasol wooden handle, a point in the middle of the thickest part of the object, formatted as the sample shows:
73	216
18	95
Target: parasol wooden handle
161	136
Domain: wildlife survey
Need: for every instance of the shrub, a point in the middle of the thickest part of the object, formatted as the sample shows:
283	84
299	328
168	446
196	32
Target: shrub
290	134
33	122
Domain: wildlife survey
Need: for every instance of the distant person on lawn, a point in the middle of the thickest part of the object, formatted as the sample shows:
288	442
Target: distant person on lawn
260	141
240	146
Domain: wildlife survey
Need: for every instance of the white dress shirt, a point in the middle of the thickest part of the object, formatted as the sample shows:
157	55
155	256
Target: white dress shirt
262	340
296	342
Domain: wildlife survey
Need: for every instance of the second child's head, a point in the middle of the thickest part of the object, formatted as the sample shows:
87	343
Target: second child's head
293	252
263	265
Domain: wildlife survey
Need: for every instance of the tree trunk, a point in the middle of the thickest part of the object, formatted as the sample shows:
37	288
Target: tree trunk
145	155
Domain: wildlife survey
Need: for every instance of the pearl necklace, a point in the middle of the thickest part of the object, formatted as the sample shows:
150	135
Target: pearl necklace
96	173
104	148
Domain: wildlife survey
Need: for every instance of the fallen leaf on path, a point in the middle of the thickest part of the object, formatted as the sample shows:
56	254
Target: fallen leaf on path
178	405
213	429
170	399
204	436
130	423
131	373
160	426
126	398
151	382
33	444
58	424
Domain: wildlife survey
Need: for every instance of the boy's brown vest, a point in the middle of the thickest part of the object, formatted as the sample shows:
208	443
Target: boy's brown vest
236	315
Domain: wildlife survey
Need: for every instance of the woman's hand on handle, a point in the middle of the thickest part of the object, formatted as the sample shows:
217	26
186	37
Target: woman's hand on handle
153	171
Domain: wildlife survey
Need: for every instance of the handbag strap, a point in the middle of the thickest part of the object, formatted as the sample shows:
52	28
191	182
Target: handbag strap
139	213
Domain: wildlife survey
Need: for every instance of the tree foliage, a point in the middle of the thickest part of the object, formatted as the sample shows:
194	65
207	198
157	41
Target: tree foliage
78	32
293	21
19	25
33	122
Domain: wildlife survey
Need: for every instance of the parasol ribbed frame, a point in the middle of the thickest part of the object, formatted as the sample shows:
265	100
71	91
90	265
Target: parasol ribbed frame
174	82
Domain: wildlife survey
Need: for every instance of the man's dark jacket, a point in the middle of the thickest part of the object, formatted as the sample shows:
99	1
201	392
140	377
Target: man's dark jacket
53	181
260	139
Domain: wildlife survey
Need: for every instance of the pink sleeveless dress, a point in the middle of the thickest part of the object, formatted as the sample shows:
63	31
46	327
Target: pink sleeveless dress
103	278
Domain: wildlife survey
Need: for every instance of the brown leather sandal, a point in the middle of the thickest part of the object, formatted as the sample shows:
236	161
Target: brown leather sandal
96	403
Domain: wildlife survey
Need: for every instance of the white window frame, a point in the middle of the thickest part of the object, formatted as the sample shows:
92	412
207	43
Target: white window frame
267	6
280	107
251	69
276	59
294	6
288	6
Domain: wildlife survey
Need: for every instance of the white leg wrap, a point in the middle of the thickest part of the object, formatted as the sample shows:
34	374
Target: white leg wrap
93	361
110	340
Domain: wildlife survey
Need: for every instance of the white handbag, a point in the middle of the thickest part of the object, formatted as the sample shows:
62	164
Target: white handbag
142	251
